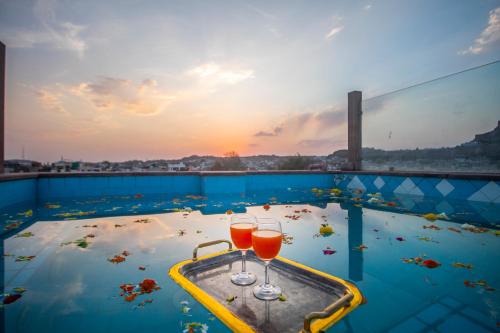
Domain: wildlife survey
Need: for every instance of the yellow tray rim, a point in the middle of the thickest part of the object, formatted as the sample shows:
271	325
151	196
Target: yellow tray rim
238	325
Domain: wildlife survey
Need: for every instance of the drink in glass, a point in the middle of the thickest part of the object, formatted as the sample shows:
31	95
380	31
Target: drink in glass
266	242
241	234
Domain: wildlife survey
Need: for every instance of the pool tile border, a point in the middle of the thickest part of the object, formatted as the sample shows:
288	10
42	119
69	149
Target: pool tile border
47	186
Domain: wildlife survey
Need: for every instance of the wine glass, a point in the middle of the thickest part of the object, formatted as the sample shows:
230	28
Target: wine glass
241	229
266	242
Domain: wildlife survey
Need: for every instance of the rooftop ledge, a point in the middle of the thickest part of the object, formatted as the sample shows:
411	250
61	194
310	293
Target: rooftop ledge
456	175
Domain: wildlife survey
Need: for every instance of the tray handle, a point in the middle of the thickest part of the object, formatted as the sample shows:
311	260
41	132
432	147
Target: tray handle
195	251
328	311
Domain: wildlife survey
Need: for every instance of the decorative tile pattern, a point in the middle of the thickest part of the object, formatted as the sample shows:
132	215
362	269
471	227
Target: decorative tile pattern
434	187
356	184
407	202
445	207
408	187
444	187
378	182
478	196
488	193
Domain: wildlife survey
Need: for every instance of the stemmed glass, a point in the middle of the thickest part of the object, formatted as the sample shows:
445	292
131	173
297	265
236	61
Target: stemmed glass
266	242
241	228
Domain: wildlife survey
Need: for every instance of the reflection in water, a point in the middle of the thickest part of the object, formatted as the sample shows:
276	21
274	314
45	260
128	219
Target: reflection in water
355	235
244	310
267	325
2	279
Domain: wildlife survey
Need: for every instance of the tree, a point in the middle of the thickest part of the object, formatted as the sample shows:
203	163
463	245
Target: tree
297	162
230	162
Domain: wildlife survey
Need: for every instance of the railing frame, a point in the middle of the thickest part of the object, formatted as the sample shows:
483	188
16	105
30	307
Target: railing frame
2	106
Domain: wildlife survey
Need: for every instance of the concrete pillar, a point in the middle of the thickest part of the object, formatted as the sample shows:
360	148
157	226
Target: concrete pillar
355	239
2	105
354	129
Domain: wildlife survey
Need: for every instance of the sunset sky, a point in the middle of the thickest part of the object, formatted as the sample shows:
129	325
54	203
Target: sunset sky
119	80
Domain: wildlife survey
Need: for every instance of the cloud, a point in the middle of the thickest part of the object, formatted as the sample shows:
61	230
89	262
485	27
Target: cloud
59	35
215	74
142	98
275	132
50	100
333	32
368	7
490	35
314	121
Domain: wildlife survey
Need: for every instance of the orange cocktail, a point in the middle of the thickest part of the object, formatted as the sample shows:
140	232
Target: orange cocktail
241	235
241	229
266	243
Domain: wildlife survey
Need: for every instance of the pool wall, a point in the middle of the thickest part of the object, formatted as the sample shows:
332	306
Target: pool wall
18	190
47	187
51	188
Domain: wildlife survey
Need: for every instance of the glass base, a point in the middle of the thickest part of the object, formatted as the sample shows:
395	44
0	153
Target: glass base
243	278
267	292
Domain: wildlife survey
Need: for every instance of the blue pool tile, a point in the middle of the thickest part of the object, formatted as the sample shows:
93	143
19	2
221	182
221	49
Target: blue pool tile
364	179
223	184
186	184
393	183
344	181
18	191
166	183
411	325
370	186
428	187
479	317
478	184
460	323
425	206
417	180
129	184
433	313
433	180
463	189
337	179
491	191
450	302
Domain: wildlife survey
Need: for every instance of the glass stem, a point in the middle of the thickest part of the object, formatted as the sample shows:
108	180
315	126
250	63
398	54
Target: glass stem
243	261
266	265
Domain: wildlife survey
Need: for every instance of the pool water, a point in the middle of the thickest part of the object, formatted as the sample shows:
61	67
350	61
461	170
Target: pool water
73	287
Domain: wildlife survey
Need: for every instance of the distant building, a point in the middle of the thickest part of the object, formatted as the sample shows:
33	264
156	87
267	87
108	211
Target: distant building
87	167
317	167
12	166
62	165
177	167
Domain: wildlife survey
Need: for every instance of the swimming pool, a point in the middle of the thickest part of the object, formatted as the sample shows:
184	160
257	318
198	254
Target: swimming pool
71	286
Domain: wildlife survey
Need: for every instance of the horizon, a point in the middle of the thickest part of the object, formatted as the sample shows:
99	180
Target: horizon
254	77
497	126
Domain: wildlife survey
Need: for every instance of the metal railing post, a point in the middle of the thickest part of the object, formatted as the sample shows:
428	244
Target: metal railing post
354	115
2	106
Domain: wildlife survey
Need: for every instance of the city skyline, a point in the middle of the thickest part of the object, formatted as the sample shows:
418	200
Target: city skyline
97	81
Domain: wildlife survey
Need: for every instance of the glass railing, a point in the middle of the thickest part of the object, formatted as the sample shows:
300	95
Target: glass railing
447	124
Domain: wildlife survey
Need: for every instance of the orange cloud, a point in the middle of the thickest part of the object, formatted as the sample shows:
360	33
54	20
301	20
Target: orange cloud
50	100
143	99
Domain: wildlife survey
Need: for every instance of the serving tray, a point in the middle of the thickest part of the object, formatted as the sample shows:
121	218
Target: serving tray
312	302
